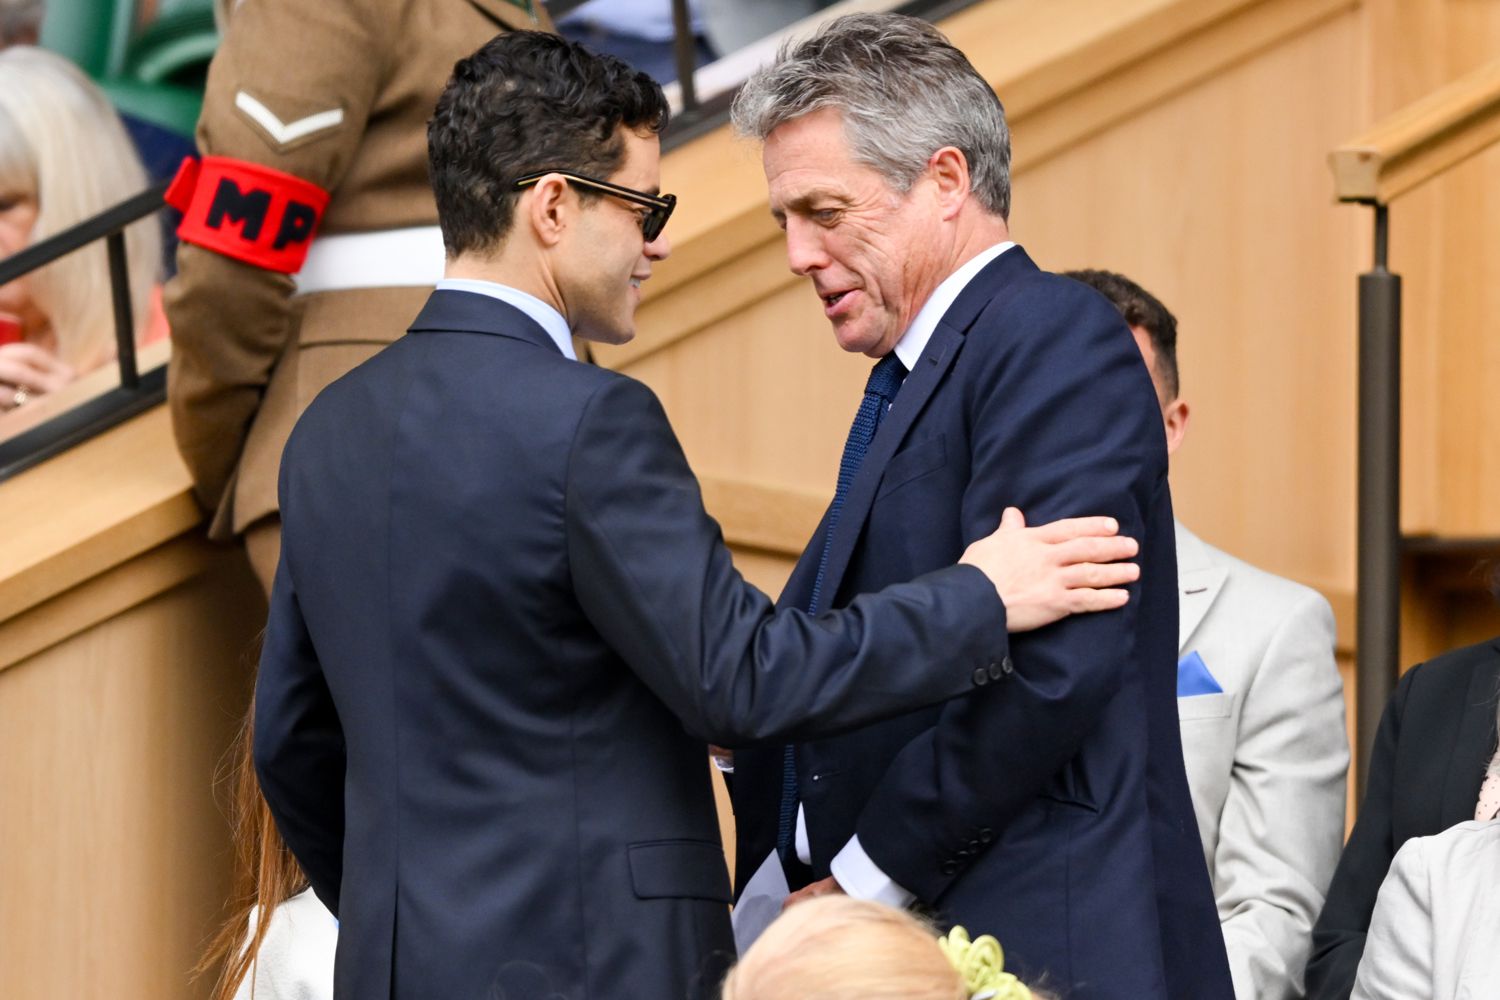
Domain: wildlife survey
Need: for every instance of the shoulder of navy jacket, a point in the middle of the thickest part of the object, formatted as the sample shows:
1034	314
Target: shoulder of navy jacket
247	211
993	282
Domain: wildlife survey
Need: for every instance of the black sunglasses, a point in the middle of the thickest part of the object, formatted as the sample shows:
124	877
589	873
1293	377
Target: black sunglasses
652	223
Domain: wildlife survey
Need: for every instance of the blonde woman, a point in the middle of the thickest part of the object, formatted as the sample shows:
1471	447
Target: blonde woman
64	156
839	948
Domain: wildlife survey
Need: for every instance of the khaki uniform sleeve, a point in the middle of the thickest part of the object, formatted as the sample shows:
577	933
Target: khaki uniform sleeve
291	88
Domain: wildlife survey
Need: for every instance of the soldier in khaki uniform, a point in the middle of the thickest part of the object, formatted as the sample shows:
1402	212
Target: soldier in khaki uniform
336	93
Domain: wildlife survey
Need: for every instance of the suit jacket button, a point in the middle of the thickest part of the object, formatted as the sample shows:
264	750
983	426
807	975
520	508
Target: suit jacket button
949	867
996	671
975	844
981	677
1007	667
986	835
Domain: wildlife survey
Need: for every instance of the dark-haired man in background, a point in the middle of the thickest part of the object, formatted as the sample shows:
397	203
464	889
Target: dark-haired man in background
1261	705
503	626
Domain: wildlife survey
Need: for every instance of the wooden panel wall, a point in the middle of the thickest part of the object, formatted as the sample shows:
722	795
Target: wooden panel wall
113	848
1444	244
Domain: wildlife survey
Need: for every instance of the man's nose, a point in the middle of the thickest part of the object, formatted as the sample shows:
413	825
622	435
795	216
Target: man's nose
659	248
804	248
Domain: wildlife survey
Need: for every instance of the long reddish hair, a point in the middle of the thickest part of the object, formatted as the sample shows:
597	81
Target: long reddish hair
265	873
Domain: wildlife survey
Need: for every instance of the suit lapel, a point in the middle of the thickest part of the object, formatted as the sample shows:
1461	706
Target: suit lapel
937	357
1476	728
1199	581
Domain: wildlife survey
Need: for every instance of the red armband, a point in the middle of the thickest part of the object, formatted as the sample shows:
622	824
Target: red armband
247	211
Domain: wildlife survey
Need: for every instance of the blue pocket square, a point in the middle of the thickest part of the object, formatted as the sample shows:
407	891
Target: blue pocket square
1193	677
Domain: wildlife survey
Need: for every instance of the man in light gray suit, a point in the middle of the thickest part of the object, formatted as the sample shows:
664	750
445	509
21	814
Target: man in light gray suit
1261	705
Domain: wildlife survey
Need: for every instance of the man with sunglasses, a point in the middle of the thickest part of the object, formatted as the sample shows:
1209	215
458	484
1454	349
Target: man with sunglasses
503	626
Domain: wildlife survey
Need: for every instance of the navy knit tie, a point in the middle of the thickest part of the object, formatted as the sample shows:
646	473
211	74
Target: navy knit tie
880	392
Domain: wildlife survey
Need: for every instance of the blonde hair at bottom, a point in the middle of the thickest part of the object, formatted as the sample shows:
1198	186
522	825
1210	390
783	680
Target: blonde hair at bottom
838	948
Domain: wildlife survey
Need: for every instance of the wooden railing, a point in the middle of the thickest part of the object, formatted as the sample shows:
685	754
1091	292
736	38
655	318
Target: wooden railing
1422	140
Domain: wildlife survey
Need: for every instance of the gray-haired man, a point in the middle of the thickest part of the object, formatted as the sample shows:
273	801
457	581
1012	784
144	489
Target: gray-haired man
1051	808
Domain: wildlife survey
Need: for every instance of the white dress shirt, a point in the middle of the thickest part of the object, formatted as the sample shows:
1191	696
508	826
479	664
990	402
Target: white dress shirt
547	318
859	876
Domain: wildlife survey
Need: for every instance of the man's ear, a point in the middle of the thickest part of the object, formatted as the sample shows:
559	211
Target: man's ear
949	170
1175	417
550	208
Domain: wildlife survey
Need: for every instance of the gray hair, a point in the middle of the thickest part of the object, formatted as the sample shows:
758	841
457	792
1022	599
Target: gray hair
20	21
904	93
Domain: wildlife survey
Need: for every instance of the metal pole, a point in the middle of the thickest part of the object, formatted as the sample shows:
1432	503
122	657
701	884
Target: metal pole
119	287
1379	602
685	50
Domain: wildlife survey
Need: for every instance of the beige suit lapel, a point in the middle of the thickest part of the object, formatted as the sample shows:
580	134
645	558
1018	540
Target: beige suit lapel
1199	581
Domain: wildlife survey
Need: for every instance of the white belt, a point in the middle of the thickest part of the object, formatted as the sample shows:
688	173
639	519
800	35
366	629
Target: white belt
391	258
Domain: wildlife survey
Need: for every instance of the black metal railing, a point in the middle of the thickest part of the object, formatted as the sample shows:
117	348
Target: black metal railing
136	391
1378	575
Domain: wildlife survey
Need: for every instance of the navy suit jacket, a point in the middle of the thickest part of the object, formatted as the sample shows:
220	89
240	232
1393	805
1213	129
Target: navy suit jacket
1435	741
501	632
1051	809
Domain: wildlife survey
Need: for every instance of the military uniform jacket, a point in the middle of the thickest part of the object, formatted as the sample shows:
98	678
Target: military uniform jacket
338	94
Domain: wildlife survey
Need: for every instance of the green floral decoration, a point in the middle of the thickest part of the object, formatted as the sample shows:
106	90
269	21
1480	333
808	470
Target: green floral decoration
981	963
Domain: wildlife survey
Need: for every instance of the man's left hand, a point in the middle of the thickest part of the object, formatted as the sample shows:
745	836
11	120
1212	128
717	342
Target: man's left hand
823	887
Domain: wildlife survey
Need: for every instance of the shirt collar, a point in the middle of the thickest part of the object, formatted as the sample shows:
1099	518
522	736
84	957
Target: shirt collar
909	348
548	318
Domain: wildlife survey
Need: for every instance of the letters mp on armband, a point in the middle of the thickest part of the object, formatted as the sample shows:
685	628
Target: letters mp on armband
247	211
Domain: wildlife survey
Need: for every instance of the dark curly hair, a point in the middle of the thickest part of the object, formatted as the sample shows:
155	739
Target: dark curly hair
527	101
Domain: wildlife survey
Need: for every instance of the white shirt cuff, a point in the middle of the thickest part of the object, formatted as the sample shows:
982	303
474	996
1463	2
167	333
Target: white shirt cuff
859	877
803	845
